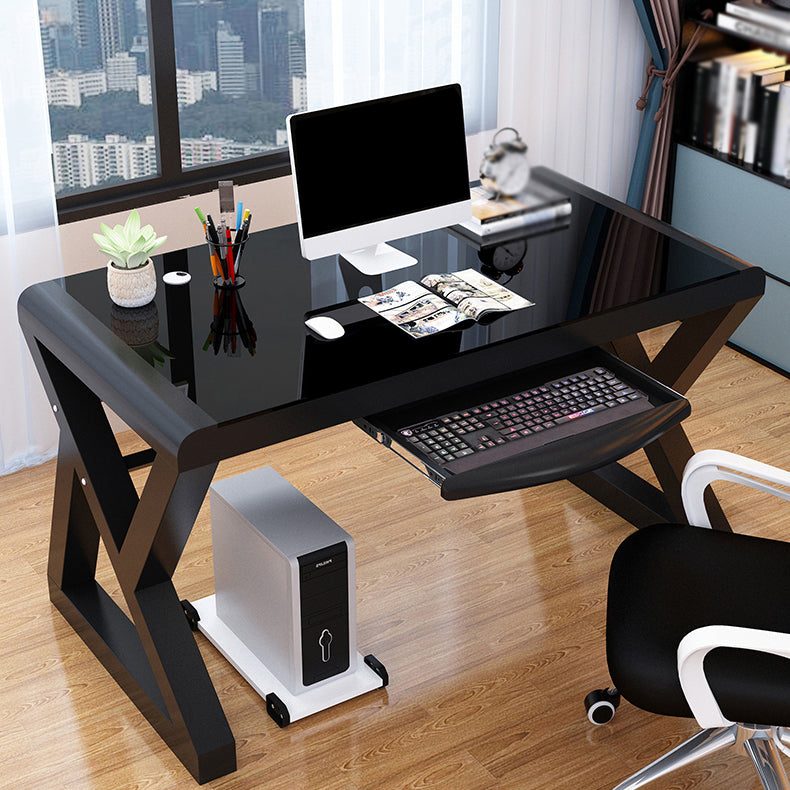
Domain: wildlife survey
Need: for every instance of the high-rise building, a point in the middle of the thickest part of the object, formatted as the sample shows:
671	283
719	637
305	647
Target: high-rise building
297	61
139	51
195	31
121	70
299	92
274	60
102	28
85	23
230	61
243	18
209	149
48	47
67	88
190	85
63	90
57	44
83	162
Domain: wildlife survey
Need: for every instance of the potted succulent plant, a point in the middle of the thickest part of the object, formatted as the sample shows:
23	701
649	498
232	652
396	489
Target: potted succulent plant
131	278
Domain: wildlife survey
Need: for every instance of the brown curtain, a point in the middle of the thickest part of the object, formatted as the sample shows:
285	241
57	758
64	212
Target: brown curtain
666	14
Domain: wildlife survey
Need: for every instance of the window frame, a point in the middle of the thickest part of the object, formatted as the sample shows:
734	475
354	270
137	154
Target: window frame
172	182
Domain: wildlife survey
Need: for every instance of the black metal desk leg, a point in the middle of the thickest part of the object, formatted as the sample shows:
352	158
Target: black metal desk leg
680	362
153	656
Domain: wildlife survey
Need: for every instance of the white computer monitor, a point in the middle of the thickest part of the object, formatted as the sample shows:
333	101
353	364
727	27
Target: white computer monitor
373	171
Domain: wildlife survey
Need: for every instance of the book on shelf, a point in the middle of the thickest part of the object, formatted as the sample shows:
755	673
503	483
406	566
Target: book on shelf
765	128
700	105
740	108
443	301
748	106
770	36
729	70
491	216
780	150
764	13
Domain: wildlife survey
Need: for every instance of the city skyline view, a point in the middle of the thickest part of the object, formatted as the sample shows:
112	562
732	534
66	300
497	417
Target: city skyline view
240	69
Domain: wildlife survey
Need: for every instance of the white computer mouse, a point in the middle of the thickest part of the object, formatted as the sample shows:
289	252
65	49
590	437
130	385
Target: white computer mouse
325	327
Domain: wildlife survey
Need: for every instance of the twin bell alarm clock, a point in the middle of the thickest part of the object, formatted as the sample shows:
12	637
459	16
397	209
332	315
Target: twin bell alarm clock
505	168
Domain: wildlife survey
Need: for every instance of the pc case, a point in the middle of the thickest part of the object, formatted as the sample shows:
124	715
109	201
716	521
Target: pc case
284	608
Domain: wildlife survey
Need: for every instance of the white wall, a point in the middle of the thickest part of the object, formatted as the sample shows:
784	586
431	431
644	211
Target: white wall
570	74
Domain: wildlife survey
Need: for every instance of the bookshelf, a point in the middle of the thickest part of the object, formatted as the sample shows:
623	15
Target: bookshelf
733	204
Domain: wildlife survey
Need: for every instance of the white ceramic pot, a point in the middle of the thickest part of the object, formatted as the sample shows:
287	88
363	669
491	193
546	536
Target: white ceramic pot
132	287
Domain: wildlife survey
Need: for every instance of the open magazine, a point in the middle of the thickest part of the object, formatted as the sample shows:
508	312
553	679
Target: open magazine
441	301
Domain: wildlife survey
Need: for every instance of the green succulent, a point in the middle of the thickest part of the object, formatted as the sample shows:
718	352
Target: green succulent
128	246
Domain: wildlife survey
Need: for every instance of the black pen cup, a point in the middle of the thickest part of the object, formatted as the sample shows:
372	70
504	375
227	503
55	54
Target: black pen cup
225	256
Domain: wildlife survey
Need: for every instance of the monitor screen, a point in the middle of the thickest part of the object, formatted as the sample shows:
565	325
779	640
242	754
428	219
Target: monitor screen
378	170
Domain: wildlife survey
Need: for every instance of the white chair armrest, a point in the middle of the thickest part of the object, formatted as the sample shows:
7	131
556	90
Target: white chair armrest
709	465
698	643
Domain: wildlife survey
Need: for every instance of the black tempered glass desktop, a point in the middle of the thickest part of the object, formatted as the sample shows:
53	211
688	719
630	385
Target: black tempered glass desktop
204	374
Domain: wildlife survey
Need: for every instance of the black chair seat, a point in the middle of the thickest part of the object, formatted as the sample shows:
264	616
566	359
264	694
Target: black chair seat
669	579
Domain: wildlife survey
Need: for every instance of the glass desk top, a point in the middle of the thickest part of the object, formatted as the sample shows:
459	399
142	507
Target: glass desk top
244	352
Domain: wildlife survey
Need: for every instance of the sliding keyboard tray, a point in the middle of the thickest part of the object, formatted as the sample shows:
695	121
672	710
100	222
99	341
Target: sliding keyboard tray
575	445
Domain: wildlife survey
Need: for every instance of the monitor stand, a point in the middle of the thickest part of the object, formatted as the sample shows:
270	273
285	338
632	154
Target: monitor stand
378	259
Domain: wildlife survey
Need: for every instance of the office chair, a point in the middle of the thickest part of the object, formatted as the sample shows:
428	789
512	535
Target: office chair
697	626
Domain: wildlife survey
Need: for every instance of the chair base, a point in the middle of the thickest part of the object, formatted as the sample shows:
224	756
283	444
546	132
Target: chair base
756	741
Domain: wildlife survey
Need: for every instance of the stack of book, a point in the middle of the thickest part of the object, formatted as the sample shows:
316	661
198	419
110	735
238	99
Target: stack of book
759	20
496	217
741	106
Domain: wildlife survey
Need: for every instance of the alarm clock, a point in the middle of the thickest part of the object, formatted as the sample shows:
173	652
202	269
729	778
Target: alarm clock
506	259
505	168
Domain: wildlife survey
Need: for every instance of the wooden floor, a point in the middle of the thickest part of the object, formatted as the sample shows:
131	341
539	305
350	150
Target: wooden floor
488	614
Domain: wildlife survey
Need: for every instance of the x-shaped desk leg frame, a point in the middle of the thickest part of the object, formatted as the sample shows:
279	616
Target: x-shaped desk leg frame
680	362
153	656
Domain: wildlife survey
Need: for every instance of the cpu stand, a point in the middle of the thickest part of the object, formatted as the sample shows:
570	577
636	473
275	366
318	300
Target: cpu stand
284	608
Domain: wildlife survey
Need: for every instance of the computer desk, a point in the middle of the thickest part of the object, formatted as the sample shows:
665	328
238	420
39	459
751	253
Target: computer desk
191	389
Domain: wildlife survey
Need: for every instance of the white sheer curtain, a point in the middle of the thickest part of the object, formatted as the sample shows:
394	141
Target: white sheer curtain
29	242
361	49
571	72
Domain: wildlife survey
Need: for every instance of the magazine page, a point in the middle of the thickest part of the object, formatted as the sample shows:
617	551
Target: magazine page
474	294
414	309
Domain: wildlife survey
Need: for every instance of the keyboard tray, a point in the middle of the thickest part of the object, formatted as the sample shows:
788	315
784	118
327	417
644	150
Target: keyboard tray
559	459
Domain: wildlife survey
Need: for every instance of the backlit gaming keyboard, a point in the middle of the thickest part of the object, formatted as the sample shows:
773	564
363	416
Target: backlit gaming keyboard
572	399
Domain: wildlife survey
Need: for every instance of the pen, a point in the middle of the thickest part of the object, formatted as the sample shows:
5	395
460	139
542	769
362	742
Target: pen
212	254
244	235
214	236
212	230
223	249
231	270
240	234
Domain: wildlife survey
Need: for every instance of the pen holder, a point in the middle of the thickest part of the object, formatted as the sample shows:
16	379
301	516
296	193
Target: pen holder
225	257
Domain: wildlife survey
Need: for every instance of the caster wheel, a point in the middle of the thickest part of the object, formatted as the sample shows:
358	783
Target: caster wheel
601	705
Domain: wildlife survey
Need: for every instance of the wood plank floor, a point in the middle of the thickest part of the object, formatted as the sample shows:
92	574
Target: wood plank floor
488	614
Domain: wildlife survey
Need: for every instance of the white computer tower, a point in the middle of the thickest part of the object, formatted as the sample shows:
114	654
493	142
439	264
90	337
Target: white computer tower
285	589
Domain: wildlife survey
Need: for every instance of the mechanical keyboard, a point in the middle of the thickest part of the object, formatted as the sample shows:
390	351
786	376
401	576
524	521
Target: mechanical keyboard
559	407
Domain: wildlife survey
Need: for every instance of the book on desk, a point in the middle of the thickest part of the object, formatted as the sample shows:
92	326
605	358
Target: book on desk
444	301
493	217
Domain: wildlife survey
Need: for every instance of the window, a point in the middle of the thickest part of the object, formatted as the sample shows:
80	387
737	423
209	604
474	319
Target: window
144	105
153	100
